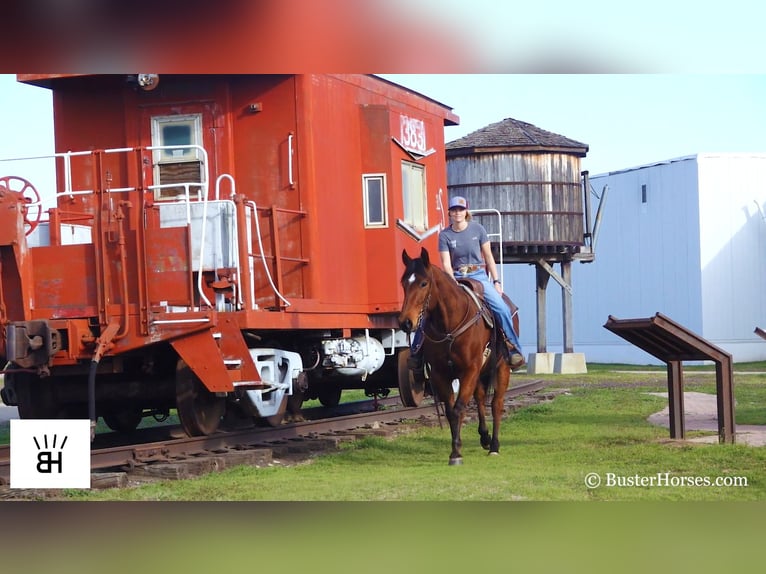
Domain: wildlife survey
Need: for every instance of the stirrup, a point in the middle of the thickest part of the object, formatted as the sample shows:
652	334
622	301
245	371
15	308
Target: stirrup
515	359
415	362
417	366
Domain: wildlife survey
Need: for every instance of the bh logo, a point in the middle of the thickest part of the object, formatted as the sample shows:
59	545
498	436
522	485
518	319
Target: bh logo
45	458
50	453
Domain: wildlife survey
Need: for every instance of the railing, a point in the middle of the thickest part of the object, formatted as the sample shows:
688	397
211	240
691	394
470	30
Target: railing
257	228
193	192
498	234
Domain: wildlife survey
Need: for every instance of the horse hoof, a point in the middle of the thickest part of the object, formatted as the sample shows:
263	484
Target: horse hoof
494	453
455	461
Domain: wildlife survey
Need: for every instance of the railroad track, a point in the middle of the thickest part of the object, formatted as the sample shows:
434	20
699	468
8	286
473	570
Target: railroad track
248	445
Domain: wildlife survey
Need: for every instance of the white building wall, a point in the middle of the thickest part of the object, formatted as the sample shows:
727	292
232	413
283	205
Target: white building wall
732	194
695	251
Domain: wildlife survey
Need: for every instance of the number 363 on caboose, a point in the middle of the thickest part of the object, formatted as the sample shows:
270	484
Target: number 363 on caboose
225	245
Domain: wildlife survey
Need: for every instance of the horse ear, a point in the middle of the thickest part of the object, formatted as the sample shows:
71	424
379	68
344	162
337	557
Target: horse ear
424	256
405	257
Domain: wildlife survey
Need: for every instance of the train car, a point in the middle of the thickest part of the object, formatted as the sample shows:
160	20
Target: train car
222	244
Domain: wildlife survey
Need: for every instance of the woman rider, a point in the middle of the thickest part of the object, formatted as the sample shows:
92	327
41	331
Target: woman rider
465	252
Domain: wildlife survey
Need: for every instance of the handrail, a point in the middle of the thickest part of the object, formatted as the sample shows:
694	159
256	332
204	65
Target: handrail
499	234
68	155
290	179
218	185
254	207
203	230
200	194
201	247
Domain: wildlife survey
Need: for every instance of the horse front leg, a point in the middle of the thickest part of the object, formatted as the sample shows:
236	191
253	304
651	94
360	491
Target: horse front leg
465	392
454	412
444	393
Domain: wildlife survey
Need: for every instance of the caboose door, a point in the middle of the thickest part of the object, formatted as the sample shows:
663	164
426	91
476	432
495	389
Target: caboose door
179	167
185	138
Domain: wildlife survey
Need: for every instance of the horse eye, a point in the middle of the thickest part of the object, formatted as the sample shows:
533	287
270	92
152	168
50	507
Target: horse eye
424	283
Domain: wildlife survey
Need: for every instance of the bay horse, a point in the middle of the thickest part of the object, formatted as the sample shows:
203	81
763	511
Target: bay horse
457	343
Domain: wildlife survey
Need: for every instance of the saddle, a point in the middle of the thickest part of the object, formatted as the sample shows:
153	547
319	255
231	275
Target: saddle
475	289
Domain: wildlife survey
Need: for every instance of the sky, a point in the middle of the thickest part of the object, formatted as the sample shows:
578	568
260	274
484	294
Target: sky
626	119
638	83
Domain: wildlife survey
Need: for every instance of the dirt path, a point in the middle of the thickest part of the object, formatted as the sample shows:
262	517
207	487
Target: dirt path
701	414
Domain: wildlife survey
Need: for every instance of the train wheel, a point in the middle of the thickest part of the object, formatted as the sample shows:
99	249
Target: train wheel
276	419
124	421
294	403
329	395
35	397
410	391
199	410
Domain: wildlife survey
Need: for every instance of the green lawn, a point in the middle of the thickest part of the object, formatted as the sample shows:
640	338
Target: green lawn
598	426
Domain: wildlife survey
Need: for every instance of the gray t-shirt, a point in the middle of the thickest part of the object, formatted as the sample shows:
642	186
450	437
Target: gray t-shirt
464	246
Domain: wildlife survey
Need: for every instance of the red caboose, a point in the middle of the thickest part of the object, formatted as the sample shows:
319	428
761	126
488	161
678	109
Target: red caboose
219	244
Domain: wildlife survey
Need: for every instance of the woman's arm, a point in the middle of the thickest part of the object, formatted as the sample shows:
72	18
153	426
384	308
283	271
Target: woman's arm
489	260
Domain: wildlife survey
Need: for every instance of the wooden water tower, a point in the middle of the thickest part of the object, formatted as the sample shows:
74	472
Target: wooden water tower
527	186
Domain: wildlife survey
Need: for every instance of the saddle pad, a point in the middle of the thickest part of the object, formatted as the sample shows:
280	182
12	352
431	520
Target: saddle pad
486	314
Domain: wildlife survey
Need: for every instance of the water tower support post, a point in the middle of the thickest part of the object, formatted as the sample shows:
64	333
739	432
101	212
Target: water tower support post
541	362
566	306
542	286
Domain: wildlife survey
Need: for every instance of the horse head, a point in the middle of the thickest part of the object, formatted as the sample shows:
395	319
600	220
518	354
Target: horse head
416	282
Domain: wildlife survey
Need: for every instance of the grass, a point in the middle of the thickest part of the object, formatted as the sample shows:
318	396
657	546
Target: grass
598	426
547	451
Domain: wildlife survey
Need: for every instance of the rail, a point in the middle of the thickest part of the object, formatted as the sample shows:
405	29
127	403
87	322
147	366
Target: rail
162	449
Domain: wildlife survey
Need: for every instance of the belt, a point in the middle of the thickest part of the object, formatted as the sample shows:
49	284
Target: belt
465	269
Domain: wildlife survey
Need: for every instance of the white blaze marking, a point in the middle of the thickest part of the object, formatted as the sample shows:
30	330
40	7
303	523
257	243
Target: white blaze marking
411	279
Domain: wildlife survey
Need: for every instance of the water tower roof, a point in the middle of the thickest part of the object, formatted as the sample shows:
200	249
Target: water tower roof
514	136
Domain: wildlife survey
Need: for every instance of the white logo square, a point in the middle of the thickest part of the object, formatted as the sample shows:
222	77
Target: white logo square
50	453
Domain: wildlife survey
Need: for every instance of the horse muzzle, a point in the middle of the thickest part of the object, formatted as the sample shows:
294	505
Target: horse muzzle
406	324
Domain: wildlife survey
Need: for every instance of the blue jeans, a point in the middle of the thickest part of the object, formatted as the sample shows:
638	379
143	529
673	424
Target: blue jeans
495	302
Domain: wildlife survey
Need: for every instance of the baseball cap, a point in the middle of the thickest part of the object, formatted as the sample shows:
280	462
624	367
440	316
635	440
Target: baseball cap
458	201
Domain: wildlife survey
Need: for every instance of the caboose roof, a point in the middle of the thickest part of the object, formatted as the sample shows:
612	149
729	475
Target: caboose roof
43	80
513	136
450	119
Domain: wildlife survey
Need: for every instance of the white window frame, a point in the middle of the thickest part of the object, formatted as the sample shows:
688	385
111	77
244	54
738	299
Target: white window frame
366	178
415	201
194	121
174	156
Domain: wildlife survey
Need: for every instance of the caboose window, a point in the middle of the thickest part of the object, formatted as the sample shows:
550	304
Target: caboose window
374	189
414	195
175	163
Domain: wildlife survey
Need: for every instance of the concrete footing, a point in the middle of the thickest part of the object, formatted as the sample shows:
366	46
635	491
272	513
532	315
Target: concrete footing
569	363
540	363
562	363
